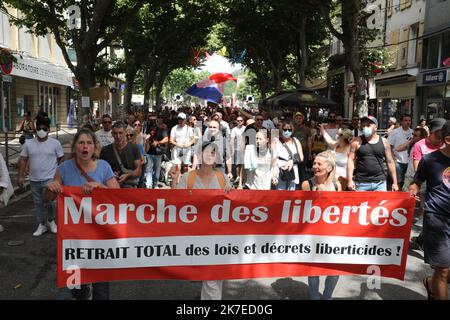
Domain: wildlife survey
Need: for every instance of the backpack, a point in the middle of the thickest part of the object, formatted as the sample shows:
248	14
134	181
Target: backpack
193	174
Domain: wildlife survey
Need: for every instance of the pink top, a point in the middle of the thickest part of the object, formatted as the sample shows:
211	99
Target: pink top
422	148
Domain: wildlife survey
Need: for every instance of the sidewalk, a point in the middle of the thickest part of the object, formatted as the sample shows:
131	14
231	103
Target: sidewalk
64	135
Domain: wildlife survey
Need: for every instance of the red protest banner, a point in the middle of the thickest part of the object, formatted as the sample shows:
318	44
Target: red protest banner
132	234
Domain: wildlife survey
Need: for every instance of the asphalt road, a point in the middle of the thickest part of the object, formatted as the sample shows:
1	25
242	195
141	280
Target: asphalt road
28	271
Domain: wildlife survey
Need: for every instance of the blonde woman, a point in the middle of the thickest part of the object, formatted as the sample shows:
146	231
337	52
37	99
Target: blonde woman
341	147
324	179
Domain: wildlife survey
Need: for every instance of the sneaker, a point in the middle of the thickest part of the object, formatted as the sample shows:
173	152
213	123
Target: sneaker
416	244
52	226
419	222
40	230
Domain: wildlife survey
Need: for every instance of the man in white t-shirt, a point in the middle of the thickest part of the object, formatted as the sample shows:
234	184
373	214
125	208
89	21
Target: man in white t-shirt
43	154
224	126
236	145
398	137
182	138
104	135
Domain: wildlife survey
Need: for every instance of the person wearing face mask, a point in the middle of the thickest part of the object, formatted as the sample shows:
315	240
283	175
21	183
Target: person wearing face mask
366	159
43	155
289	152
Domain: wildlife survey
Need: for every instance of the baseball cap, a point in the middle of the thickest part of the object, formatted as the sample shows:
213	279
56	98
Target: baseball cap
371	119
446	129
299	114
436	124
181	115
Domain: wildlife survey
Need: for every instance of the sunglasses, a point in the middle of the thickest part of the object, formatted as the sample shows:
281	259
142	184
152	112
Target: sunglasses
42	128
287	130
240	120
106	122
137	124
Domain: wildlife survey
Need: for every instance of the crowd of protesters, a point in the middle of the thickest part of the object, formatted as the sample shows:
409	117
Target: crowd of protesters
220	148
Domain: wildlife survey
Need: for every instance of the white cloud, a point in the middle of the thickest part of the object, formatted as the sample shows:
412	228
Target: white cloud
216	64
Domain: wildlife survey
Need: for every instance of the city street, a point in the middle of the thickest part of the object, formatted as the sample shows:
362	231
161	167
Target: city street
28	271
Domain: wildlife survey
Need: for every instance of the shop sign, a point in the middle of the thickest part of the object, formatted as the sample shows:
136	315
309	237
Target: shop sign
34	69
435	77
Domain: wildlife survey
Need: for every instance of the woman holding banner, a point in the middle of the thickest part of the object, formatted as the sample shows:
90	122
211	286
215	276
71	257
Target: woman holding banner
206	177
324	179
84	169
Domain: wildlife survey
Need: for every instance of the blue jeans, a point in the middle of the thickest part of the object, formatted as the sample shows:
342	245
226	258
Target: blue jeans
36	190
152	170
400	168
286	185
330	284
371	186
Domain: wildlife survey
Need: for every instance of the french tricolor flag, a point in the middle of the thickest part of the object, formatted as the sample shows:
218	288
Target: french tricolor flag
211	89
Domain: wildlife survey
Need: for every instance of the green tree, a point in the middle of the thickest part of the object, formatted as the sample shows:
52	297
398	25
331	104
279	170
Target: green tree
101	23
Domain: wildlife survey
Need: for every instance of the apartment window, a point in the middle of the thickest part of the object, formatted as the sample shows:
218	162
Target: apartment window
432	49
396	5
445	60
4	29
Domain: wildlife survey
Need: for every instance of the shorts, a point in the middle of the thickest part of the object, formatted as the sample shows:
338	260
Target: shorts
182	155
436	240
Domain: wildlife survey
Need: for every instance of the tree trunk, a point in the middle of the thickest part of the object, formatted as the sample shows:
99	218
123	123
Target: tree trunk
303	57
86	79
149	80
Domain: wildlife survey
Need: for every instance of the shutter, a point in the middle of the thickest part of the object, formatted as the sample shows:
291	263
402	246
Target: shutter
393	48
402	4
390	3
419	48
404	46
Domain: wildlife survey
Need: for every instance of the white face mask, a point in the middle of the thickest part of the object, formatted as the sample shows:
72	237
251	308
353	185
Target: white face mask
42	133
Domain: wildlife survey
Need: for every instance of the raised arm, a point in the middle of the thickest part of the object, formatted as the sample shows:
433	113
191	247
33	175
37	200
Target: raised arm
326	136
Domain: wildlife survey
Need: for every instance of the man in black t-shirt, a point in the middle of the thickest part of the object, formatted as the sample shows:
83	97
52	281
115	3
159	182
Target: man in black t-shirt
434	169
123	157
155	148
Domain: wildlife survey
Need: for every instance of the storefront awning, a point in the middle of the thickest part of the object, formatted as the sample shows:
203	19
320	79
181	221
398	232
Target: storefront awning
413	72
32	68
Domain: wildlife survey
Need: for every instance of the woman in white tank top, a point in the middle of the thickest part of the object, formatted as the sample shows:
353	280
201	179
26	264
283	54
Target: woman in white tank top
324	179
341	147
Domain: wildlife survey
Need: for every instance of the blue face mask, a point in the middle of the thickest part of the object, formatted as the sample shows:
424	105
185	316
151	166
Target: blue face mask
287	134
367	132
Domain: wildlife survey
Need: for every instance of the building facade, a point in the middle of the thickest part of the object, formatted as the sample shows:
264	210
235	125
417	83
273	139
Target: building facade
396	87
39	78
434	78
